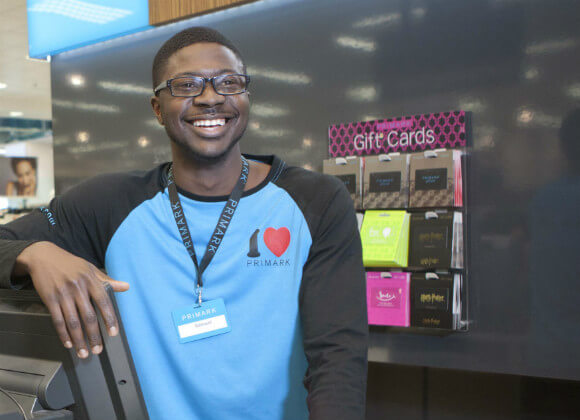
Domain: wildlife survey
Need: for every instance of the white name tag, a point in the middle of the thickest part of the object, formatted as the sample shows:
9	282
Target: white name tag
194	322
201	327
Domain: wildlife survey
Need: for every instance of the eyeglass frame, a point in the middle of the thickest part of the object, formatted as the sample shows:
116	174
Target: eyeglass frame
167	84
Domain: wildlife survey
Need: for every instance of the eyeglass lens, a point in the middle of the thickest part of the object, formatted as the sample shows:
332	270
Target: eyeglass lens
228	84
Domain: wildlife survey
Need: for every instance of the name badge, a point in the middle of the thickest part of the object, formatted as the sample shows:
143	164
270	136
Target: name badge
194	322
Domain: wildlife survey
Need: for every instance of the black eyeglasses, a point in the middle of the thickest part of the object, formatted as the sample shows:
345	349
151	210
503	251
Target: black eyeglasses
190	86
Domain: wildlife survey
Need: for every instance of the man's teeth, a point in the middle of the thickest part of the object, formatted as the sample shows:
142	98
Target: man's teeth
210	123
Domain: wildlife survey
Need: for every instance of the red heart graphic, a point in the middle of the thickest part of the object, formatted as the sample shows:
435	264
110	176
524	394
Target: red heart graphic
277	240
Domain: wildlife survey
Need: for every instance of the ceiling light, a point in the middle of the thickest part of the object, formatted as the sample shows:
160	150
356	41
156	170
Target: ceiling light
269	110
3	85
485	142
143	141
273	132
531	73
83	136
307	142
280	76
365	45
16	113
573	90
525	116
85	106
76	80
362	93
81	10
126	88
268	132
418	12
530	117
153	123
547	47
89	148
472	104
386	19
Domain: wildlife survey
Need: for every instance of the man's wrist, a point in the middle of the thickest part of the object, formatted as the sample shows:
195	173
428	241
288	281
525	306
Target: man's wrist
24	260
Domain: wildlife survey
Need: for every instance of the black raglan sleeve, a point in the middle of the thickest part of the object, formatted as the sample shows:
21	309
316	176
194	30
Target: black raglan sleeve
81	221
333	301
9	251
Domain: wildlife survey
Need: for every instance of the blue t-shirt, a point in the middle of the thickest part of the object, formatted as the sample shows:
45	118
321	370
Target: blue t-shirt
288	269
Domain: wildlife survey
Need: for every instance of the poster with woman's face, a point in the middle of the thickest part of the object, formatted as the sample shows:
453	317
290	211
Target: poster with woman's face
18	176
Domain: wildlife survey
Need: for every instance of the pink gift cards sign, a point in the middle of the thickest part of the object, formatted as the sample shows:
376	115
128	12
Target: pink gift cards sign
388	300
403	134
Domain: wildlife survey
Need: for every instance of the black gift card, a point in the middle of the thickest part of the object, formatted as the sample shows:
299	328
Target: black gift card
430	241
349	181
432	237
432	298
431	179
431	302
385	182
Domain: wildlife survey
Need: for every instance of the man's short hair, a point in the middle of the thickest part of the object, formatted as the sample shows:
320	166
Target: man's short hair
185	38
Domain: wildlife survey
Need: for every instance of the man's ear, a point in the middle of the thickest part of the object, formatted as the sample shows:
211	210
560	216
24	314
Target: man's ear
157	109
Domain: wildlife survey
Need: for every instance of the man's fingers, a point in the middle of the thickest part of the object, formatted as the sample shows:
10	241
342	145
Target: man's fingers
105	306
66	284
90	321
74	326
118	286
60	324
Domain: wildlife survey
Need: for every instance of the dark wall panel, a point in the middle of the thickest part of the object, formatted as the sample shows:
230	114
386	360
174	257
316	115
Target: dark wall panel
412	393
395	392
514	64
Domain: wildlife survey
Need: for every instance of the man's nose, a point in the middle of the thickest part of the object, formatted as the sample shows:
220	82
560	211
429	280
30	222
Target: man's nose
208	97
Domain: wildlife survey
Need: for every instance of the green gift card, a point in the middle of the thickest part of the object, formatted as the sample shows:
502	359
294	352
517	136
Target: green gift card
385	238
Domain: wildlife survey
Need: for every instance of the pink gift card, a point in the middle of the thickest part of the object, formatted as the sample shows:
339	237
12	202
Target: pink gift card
388	298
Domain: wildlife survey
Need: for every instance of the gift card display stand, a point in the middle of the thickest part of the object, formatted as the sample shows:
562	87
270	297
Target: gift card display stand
414	210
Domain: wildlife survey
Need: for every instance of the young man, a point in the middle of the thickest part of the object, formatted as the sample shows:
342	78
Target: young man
266	256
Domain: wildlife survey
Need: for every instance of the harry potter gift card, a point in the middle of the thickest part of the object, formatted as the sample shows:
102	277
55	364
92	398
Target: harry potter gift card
436	240
436	300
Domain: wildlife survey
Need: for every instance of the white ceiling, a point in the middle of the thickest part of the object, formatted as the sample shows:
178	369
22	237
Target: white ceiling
28	81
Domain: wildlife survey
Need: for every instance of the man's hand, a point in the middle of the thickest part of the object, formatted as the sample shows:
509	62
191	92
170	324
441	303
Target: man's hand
66	283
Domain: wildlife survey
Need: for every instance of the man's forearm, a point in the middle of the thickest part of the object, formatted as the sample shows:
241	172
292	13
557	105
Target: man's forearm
10	266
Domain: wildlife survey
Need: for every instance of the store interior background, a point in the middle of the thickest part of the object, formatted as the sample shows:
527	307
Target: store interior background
514	64
25	105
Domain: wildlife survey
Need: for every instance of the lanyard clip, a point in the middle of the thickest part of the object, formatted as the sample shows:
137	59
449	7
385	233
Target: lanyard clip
198	291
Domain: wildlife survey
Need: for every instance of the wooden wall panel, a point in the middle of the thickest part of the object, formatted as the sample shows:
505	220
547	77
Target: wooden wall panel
165	11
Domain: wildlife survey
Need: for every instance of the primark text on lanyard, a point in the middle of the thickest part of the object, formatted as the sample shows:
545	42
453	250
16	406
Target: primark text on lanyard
220	229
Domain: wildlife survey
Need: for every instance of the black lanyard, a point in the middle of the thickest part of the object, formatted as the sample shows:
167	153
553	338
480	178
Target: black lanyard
220	229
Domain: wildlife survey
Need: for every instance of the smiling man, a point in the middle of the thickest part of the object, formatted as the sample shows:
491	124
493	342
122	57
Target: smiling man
247	293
